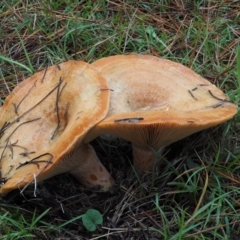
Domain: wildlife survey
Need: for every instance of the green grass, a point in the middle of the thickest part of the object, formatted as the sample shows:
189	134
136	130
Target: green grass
195	194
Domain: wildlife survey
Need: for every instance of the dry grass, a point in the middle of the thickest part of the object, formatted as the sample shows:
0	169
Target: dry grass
195	194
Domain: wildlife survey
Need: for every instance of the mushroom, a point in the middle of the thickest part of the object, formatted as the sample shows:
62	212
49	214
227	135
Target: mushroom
43	122
155	102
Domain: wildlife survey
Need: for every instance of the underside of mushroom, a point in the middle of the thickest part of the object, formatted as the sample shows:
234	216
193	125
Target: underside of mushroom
155	102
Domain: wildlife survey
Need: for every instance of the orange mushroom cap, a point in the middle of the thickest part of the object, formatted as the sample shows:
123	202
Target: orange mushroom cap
155	102
43	122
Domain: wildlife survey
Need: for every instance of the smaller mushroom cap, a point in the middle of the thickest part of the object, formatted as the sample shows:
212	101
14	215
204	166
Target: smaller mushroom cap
43	122
155	102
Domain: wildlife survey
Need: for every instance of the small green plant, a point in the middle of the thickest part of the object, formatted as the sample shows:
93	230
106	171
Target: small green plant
91	219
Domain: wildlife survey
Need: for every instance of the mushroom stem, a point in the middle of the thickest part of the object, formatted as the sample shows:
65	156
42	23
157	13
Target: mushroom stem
91	173
144	159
